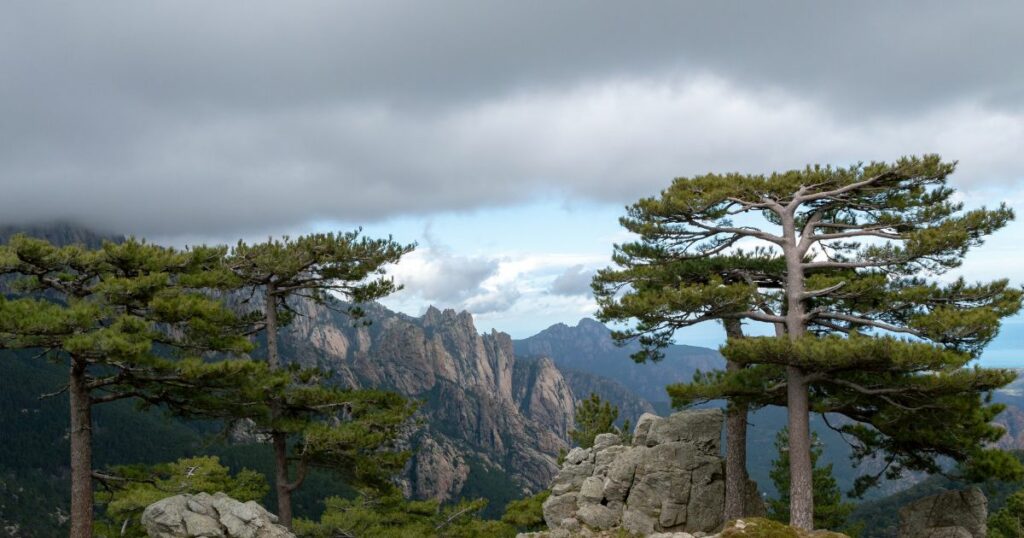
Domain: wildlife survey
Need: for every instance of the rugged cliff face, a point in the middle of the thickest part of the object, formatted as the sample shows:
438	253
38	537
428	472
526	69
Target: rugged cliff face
1012	418
483	408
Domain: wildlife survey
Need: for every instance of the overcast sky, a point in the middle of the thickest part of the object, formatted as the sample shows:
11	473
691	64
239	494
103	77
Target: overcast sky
504	138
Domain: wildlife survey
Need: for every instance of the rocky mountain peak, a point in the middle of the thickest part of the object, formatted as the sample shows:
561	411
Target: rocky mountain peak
482	406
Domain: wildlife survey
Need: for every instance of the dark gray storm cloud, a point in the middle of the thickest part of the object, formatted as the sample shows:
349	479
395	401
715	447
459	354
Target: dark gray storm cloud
224	117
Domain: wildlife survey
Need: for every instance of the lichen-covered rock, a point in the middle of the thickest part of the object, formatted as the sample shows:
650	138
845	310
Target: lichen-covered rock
605	440
940	515
670	480
597	516
210	516
701	429
559	507
643	426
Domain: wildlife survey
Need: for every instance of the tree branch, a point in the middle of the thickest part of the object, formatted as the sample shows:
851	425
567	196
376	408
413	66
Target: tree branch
55	393
746	232
822	291
804	198
861	321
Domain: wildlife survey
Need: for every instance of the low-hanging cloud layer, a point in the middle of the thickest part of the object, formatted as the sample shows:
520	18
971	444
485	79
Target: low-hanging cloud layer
240	118
191	121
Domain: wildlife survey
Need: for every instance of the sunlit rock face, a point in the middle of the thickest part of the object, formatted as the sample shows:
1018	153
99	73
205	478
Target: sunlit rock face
482	407
669	479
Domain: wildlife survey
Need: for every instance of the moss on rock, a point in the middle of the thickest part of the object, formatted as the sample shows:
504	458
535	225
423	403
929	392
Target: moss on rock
757	527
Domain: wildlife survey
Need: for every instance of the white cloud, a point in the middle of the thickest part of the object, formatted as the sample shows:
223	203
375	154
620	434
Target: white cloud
574	281
499	299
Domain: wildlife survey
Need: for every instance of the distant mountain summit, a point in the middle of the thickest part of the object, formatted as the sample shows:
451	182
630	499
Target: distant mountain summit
60	233
588	347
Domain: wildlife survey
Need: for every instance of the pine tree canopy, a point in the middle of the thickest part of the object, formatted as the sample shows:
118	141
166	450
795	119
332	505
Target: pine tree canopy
841	261
594	416
313	265
135	314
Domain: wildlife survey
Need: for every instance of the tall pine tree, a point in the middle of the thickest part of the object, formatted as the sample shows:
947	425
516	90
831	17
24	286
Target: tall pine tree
311	424
130	321
895	222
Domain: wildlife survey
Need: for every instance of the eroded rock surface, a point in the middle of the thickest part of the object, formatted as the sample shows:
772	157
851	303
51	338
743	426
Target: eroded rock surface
481	403
950	514
210	516
670	479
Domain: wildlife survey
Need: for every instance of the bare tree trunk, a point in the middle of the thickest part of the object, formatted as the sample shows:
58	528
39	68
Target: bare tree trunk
81	452
283	488
801	482
801	471
280	439
736	476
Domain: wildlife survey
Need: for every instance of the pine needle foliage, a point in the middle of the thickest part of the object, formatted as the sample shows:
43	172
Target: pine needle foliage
389	515
131	321
829	252
830	511
137	486
311	423
1008	522
593	417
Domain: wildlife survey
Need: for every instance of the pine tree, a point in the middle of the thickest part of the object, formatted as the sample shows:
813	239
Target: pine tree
527	514
854	244
830	512
1008	522
131	321
593	417
310	423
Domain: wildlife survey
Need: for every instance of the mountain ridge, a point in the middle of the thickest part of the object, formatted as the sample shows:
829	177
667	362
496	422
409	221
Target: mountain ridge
588	347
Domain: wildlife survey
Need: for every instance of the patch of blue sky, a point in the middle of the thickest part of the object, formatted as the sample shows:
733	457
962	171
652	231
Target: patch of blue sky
547	226
537	241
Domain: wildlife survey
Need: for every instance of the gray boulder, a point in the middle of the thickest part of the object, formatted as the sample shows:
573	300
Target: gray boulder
210	516
559	507
701	429
947	515
670	480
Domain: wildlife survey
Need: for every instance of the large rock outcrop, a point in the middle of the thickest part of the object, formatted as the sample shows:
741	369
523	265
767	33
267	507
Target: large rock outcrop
670	479
210	516
951	514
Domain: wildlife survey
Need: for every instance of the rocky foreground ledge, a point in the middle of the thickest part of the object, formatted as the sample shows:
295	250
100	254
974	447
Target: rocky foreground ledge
670	478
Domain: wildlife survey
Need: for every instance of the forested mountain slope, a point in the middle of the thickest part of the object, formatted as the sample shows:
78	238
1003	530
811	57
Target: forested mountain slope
588	347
